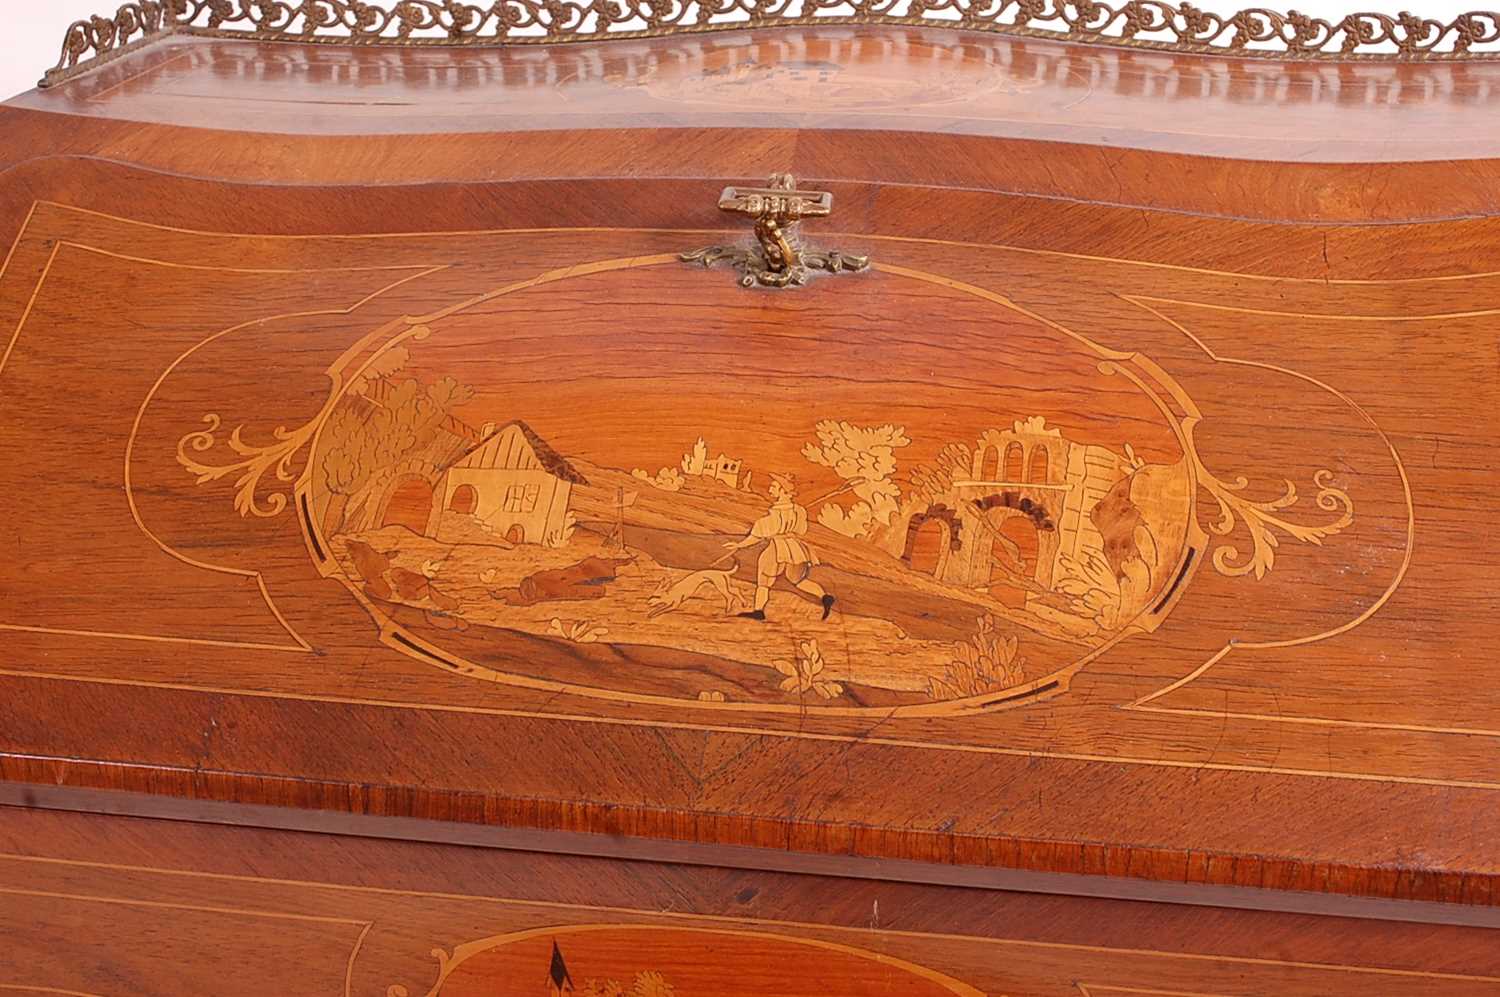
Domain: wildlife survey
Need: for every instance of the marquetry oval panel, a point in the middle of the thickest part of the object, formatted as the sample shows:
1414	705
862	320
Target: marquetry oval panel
604	960
890	491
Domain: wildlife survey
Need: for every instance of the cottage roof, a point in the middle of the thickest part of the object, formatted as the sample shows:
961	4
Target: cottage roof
552	462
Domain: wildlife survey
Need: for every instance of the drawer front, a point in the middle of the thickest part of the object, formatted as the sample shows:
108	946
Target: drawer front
1107	523
125	907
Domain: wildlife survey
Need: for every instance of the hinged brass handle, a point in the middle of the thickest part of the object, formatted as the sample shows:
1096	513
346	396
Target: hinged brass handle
781	260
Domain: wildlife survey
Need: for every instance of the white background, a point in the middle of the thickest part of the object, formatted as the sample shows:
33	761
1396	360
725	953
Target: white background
33	37
34	29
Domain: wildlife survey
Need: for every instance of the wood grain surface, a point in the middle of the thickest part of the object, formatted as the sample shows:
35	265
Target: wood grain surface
872	77
1122	518
121	906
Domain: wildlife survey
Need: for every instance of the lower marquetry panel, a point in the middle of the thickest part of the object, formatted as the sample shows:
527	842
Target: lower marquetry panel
121	906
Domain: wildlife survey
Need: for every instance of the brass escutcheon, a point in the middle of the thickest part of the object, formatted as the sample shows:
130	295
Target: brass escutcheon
780	261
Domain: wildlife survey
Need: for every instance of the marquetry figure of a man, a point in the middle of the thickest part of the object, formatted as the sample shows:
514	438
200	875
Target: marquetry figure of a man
786	554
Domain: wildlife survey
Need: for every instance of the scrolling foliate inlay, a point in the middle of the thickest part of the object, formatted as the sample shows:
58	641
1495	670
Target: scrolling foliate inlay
1142	23
254	462
768	531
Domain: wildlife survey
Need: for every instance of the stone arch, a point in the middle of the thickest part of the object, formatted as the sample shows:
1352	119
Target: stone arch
1024	504
927	546
931	536
1015	550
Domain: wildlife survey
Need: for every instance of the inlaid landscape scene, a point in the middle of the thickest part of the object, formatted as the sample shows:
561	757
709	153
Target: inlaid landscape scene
755	512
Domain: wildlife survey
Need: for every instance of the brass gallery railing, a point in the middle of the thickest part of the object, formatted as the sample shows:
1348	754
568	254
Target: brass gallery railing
1141	23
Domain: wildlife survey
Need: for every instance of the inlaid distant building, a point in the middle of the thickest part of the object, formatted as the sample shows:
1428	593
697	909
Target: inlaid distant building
1021	508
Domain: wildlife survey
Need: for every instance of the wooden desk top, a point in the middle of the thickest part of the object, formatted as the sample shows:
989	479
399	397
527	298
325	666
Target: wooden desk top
1260	294
875	78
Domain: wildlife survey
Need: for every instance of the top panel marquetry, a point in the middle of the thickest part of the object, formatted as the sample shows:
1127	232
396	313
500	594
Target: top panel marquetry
887	78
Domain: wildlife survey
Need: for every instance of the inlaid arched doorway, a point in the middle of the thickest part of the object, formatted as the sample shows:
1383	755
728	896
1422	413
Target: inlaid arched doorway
1015	459
410	504
1037	466
1013	553
926	544
989	463
465	500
